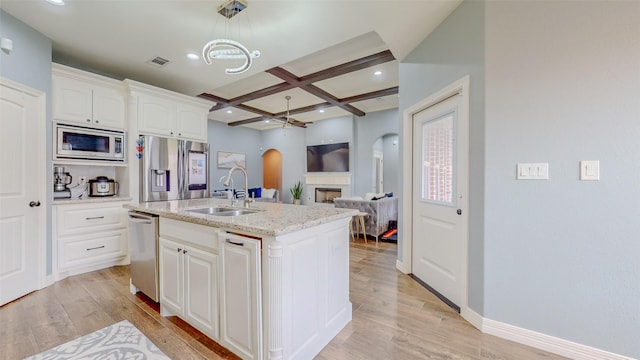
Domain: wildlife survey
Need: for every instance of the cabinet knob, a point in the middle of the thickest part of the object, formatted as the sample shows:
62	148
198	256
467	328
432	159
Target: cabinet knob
97	121
88	120
171	133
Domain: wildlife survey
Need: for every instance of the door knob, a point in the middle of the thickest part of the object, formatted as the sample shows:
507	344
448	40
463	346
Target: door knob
459	211
34	203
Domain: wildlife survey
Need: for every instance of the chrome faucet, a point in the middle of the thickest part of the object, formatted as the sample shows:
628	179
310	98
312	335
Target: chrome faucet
247	200
231	194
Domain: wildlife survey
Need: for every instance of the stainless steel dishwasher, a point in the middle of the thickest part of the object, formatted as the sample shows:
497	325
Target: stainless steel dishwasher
143	251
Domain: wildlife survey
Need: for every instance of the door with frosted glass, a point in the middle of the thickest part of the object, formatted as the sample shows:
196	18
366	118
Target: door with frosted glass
440	162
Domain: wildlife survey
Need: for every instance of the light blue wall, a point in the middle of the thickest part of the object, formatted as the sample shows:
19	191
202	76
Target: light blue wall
291	144
554	82
562	256
453	50
238	139
29	63
368	129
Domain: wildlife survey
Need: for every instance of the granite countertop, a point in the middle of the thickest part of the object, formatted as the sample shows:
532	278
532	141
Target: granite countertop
275	219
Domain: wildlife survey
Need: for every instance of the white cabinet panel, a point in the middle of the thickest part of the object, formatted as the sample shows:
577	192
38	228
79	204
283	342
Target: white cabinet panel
201	290
189	274
89	236
241	323
85	98
171	118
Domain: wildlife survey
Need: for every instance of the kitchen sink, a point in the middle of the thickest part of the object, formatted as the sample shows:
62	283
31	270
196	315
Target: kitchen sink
223	211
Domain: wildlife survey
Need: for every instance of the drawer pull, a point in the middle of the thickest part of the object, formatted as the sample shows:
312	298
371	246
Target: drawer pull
94	218
96	248
234	243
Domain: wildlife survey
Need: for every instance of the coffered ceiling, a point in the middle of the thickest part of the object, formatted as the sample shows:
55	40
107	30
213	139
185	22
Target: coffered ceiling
321	53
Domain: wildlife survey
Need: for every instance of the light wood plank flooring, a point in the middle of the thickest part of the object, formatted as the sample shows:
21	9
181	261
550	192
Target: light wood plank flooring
393	318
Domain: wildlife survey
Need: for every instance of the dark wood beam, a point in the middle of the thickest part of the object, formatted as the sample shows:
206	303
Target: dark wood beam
371	95
306	83
351	66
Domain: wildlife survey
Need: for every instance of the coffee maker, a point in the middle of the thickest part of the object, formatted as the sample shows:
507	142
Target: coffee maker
60	181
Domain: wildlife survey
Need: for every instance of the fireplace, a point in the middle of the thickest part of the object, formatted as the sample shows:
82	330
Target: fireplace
326	195
328	185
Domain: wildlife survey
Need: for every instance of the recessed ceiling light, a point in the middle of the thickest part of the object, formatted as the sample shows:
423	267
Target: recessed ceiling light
377	73
56	2
267	121
321	110
193	56
229	111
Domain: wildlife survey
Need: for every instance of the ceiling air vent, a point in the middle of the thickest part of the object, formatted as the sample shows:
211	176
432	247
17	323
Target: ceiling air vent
158	62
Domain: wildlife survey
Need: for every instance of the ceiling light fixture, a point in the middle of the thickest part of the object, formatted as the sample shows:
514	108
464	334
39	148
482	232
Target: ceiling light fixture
226	49
56	2
321	110
287	118
377	73
229	111
193	56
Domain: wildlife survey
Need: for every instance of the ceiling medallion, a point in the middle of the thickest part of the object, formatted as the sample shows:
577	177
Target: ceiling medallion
226	49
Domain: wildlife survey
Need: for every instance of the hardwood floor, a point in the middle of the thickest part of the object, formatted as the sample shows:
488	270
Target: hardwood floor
393	318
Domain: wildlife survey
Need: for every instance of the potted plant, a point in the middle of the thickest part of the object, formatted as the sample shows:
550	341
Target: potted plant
296	192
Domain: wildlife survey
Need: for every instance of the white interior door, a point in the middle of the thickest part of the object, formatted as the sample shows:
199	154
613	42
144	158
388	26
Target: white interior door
20	184
440	163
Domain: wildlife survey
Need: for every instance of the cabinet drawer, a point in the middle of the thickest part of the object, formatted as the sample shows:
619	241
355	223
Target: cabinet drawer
205	237
75	220
90	248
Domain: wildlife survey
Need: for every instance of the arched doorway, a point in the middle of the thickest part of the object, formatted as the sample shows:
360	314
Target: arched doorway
385	167
272	171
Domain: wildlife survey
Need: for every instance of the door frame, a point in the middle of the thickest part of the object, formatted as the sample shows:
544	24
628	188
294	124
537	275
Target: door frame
404	264
40	166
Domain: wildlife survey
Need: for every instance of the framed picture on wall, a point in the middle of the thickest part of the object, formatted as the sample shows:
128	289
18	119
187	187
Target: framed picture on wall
227	160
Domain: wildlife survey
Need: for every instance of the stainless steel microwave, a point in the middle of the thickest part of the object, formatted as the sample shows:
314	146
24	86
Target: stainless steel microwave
84	143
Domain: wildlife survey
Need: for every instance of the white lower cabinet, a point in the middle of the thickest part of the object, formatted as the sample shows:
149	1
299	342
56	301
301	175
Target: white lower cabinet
241	316
89	236
189	274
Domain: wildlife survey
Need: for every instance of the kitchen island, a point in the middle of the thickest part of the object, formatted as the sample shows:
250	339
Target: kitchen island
270	284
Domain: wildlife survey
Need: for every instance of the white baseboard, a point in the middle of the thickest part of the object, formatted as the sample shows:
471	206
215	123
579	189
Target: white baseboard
548	343
472	317
400	266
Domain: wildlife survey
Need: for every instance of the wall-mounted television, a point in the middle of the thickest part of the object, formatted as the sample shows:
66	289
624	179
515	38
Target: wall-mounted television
328	158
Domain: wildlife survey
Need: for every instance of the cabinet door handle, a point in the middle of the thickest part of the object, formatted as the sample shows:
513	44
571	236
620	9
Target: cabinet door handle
234	243
96	248
94	218
184	251
179	249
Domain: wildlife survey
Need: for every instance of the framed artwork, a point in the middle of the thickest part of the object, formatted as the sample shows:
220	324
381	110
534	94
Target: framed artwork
227	160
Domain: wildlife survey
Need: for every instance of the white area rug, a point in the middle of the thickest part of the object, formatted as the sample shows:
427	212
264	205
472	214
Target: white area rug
118	341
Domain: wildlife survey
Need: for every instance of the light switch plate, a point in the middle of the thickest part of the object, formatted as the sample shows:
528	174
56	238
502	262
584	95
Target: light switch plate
532	171
590	170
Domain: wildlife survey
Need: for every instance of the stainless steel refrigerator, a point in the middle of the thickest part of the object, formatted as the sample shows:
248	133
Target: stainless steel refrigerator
172	169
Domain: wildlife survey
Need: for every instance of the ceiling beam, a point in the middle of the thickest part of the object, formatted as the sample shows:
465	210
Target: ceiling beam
291	81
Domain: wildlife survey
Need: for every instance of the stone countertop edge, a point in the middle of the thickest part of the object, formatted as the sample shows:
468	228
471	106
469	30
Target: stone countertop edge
275	219
89	200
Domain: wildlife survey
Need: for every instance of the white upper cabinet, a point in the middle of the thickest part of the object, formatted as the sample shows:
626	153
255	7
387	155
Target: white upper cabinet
164	113
88	99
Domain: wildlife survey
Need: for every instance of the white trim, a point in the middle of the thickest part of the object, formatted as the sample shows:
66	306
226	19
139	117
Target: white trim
472	317
548	343
401	267
41	171
460	86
